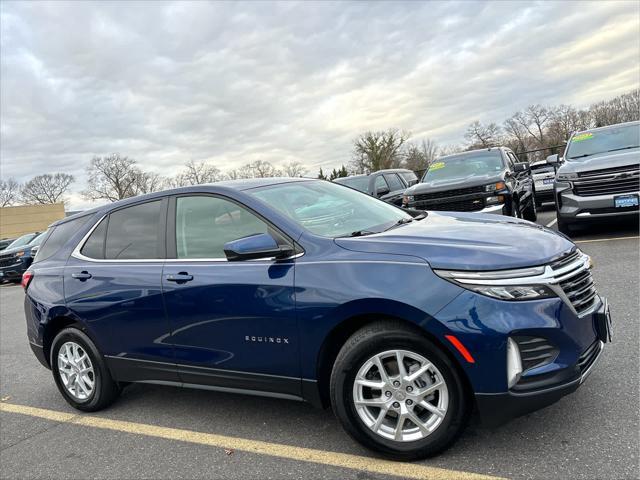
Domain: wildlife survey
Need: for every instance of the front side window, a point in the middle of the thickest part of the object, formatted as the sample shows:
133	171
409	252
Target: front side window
205	223
380	184
330	210
464	165
394	182
586	144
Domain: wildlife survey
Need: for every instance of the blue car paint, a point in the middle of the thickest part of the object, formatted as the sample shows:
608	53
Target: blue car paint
132	312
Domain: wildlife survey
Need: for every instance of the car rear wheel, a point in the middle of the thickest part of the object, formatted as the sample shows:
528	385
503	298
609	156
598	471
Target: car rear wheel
80	372
397	393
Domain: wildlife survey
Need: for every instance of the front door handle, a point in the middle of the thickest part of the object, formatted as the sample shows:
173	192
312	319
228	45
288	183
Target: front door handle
81	276
180	277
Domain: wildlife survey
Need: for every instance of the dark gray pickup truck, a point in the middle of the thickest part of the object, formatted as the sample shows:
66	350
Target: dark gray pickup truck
599	176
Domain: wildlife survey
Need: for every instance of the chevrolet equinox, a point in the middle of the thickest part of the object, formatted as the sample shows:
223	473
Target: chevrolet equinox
404	322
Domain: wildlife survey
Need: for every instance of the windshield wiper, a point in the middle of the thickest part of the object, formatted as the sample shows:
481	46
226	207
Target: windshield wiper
623	148
582	156
358	233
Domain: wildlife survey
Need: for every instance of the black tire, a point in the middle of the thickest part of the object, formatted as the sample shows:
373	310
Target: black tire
379	337
105	390
531	213
563	226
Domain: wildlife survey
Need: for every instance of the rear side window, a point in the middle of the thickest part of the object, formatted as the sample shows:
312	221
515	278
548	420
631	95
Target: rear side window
57	238
204	224
94	246
134	233
394	182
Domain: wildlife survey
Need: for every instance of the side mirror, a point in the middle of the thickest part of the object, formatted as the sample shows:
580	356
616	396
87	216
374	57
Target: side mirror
380	191
553	159
261	245
521	167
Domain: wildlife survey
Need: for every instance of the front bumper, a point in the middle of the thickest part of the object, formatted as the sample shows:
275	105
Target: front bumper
576	208
13	272
498	408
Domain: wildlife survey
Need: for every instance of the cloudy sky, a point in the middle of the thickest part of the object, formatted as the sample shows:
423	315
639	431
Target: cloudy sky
234	82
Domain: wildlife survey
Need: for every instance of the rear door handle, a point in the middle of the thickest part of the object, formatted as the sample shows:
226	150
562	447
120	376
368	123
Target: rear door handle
180	277
81	275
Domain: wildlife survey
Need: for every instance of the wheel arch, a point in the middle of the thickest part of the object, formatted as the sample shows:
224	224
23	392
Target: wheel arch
54	326
341	332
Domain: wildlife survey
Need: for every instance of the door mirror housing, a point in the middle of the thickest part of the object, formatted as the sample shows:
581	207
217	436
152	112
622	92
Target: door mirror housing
261	245
380	191
553	159
521	167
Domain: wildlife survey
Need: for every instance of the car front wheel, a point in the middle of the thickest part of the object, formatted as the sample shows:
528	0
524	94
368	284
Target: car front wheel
397	393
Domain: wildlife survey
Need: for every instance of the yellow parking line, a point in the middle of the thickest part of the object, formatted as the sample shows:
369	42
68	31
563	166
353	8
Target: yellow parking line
334	459
604	239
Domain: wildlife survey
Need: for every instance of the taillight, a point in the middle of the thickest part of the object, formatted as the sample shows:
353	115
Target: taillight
26	279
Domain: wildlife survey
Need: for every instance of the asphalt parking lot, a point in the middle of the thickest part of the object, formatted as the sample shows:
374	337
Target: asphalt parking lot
164	432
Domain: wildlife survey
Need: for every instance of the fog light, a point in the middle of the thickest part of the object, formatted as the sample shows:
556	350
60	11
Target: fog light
494	200
514	363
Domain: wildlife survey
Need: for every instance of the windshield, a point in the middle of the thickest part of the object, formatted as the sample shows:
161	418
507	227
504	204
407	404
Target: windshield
37	240
359	183
330	210
464	165
585	144
21	241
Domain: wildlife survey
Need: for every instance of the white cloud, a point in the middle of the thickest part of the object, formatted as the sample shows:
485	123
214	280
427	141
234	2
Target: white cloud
233	82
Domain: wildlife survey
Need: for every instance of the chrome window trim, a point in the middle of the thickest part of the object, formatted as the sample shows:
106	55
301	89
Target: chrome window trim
548	277
77	254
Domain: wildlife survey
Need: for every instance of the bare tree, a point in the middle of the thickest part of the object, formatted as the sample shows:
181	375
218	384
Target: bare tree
9	190
534	120
260	169
197	173
374	151
111	178
516	133
46	188
482	136
623	108
419	157
294	169
147	182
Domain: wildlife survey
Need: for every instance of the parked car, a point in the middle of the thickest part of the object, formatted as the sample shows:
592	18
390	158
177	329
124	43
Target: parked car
5	242
387	185
544	176
14	260
305	289
491	180
599	176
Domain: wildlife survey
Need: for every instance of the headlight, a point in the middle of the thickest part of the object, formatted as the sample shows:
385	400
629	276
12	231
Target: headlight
519	284
494	200
565	177
20	254
495	186
406	199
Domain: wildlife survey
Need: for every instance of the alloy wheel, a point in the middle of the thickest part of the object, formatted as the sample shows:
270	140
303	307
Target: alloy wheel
400	395
76	371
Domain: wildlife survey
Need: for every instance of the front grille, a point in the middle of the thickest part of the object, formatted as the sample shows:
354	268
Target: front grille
535	351
608	181
576	281
470	205
589	356
7	260
449	193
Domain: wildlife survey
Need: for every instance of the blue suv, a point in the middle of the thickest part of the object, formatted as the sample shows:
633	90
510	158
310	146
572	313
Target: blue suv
403	321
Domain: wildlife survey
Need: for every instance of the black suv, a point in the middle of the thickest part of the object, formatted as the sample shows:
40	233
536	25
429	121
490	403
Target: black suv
387	185
490	180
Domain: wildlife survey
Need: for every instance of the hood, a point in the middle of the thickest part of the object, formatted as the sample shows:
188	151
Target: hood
467	241
10	251
622	158
455	183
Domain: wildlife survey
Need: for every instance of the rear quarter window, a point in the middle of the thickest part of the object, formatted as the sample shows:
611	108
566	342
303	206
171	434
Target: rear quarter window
57	237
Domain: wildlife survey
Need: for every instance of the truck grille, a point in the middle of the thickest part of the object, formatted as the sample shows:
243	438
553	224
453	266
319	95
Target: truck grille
608	181
449	193
574	277
470	205
6	260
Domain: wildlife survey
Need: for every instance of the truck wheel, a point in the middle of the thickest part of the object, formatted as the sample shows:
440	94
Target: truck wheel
531	212
80	372
397	393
